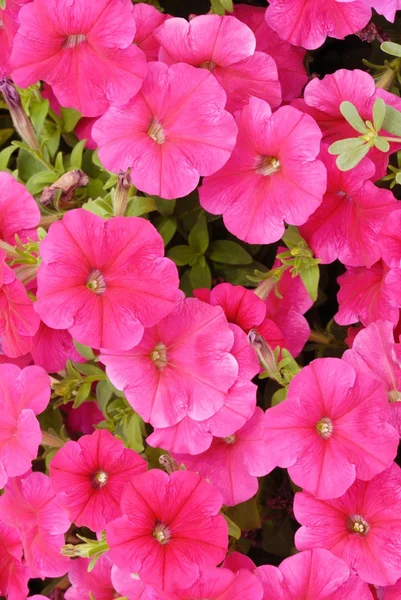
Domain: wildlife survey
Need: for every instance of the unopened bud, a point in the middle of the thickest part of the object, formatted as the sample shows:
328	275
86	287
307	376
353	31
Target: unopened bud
20	119
88	549
264	352
169	463
26	273
120	200
265	287
67	183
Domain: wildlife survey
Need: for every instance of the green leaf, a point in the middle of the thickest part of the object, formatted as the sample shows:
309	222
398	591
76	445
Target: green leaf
228	5
310	278
166	226
132	433
200	276
140	205
70	118
398	178
76	155
245	515
165	207
5	156
82	394
391	48
38	181
279	396
84	351
351	158
199	237
104	392
38	113
392	121
5	135
344	145
89	370
351	114
292	238
3	4
379	112
233	529
27	164
382	144
181	255
229	253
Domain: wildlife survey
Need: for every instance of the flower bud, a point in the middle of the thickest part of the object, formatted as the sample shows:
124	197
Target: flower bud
67	183
264	352
20	119
121	194
169	463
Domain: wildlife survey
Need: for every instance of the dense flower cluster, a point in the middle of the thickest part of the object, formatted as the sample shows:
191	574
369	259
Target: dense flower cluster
184	191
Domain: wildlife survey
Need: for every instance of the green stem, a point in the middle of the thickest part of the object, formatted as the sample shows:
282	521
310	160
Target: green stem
320	338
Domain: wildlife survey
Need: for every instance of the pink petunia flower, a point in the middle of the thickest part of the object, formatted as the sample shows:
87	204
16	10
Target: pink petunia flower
388	8
30	505
147	19
96	583
130	586
170	529
18	320
13	572
233	464
104	281
332	428
23	395
182	366
8	29
363	527
223	584
289	59
19	213
272	175
367	295
92	474
390	241
83	418
193	437
51	348
375	353
84	52
226	47
307	23
323	97
172	132
391	592
347	223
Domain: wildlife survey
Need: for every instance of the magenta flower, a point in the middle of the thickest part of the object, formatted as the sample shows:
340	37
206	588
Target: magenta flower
193	437
18	320
390	240
96	583
19	213
233	464
307	23
182	366
91	475
363	527
51	348
13	572
387	8
375	353
323	97
170	529
8	29
223	584
84	418
392	592
104	281
226	47
172	132
272	175
23	395
129	585
347	223
289	59
30	505
368	295
147	19
85	53
331	429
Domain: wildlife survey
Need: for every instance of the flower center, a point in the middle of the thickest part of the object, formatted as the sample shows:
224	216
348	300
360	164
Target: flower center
324	427
74	40
267	165
156	132
394	396
159	356
356	524
96	282
162	533
99	479
207	64
230	439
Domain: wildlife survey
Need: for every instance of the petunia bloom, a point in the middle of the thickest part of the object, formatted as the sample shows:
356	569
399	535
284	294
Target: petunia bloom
374	352
226	47
288	58
130	586
30	505
51	348
223	584
8	29
19	213
170	529
182	366
104	281
173	131
233	464
147	19
388	8
331	429
84	52
91	475
95	583
307	23
363	527
273	174
347	223
13	571
23	395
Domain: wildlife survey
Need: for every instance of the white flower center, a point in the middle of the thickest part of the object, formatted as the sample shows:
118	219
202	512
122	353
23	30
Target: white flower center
230	439
357	524
162	533
267	165
96	282
73	40
324	427
159	356
156	132
99	479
